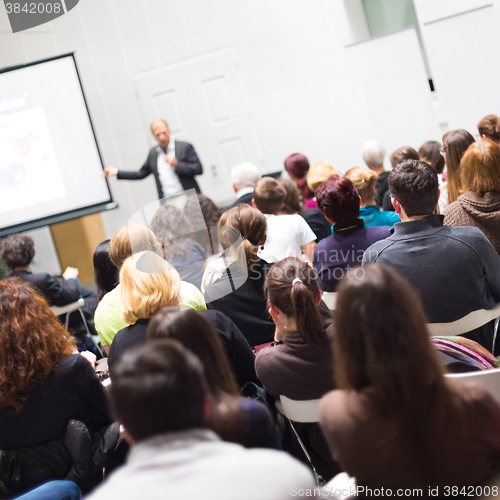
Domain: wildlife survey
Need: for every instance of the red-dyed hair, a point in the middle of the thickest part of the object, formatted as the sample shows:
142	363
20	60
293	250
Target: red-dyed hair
338	199
31	342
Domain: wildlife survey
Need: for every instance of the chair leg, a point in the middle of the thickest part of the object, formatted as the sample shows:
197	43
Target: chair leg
90	335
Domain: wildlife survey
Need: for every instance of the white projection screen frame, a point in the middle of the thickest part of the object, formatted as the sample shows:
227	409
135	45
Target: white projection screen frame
50	164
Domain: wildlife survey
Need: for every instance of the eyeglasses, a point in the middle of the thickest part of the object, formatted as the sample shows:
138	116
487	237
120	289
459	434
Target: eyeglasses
443	151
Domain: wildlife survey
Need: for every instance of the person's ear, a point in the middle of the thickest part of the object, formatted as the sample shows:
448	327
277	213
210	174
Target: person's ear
318	298
396	205
273	310
253	203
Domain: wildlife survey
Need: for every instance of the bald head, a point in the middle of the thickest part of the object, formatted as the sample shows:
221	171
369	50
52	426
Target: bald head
160	130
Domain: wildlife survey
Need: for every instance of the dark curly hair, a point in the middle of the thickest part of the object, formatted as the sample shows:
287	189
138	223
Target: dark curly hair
18	250
338	199
31	342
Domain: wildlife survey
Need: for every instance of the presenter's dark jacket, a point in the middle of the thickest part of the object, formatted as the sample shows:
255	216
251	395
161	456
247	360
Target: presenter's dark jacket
188	165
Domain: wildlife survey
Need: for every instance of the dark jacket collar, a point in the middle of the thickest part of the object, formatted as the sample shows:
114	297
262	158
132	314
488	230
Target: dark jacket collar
349	228
420	227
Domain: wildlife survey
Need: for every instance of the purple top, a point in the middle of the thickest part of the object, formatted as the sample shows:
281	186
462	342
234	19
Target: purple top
344	249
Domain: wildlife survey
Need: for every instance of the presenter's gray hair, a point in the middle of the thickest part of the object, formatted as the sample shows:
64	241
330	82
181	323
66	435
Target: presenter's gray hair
373	152
245	174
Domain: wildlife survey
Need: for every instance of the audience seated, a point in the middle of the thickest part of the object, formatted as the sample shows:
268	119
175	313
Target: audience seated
125	242
147	283
106	274
172	229
314	217
287	235
455	144
161	398
401	154
209	218
430	152
300	365
233	418
239	293
343	250
489	128
44	385
364	181
373	155
395	421
315	176
479	205
244	177
18	251
455	269
297	166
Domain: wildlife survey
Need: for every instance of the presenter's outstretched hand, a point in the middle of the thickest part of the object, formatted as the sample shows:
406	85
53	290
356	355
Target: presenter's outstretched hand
71	272
109	172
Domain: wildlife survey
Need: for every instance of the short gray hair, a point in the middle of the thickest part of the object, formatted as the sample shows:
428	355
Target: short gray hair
373	152
245	174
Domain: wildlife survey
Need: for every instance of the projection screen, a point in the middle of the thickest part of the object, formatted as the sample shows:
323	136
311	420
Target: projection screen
50	165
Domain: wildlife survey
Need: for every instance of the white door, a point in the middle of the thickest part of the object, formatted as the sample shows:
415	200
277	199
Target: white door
204	102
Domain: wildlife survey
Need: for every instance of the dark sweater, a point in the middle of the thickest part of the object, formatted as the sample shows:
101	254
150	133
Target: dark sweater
240	296
71	391
127	337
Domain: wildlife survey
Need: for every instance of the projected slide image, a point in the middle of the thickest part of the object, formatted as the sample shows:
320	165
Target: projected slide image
29	171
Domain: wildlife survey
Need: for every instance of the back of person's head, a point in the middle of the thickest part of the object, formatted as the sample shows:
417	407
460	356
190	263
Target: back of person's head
18	250
247	223
158	387
338	199
430	152
147	284
291	205
319	173
130	239
373	153
269	195
455	144
402	154
106	274
297	165
414	184
364	181
489	127
292	285
245	174
480	167
196	333
31	342
209	218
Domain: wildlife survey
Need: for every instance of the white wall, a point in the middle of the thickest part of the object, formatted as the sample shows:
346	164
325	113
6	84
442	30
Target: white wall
291	57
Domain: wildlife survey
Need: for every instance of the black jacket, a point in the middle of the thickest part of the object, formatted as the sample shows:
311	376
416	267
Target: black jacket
188	165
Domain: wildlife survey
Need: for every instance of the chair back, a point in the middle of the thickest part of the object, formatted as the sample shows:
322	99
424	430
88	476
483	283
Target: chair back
299	411
330	299
489	378
68	308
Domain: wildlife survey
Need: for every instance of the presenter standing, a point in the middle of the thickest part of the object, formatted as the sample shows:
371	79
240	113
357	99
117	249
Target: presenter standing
174	164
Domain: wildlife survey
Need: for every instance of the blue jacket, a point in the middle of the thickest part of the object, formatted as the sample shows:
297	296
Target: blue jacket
373	216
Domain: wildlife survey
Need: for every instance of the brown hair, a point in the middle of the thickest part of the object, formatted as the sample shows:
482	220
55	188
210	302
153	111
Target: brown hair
404	153
489	126
131	239
430	152
246	222
296	299
455	144
18	250
31	342
269	195
291	204
364	181
196	333
480	167
392	364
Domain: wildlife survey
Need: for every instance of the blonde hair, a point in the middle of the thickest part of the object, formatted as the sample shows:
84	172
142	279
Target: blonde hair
131	239
364	181
147	284
479	167
319	173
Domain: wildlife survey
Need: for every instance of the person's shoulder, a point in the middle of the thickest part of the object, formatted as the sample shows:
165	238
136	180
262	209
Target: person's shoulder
333	408
379	231
465	235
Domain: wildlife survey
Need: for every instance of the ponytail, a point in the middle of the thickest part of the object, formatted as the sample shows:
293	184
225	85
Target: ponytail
292	286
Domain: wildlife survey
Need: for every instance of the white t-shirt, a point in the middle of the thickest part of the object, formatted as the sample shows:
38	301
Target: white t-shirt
286	234
170	182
